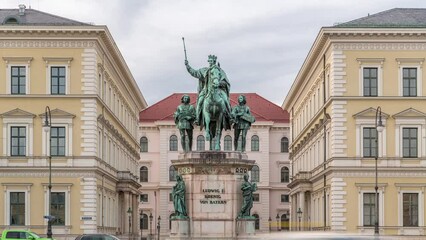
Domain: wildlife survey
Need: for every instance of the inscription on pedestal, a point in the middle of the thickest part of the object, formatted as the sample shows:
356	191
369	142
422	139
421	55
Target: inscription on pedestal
213	196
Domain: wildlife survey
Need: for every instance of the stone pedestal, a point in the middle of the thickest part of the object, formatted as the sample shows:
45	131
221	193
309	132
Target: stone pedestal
213	196
245	227
180	229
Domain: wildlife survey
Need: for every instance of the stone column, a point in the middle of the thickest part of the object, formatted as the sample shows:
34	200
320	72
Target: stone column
302	207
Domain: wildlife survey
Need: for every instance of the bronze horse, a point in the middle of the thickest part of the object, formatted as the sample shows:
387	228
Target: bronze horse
213	109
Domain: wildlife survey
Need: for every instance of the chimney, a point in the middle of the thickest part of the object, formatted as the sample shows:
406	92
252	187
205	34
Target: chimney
22	9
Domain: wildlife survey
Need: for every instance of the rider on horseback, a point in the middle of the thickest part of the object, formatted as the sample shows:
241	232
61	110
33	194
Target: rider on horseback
204	76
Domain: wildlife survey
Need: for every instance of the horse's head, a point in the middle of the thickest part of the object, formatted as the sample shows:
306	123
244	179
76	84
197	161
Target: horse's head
215	74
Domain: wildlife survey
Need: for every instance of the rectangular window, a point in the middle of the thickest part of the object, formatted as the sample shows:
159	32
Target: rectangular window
144	198
57	80
369	142
409	82
17	208
410	209
370	82
18	141
255	197
57	208
57	141
18	80
369	214
409	142
170	197
284	198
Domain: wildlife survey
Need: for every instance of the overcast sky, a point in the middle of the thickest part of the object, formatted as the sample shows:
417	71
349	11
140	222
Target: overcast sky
260	44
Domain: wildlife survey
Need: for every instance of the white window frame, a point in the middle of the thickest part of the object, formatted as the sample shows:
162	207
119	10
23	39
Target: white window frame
9	78
371	63
59	187
414	230
398	138
59	122
369	188
410	63
362	123
58	62
17	187
362	141
8	123
18	62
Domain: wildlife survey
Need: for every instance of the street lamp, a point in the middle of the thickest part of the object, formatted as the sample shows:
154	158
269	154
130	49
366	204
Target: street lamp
269	221
141	223
129	213
150	224
278	221
379	128
299	215
158	227
46	127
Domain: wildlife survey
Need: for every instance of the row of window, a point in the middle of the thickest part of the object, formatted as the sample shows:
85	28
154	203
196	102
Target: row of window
18	141
255	174
19	80
410	209
409	142
409	79
201	143
17	208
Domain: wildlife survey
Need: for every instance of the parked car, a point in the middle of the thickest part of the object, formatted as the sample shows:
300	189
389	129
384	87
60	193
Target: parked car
96	237
13	234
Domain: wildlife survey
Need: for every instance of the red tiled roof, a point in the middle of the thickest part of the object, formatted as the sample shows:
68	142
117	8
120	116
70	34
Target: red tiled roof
261	108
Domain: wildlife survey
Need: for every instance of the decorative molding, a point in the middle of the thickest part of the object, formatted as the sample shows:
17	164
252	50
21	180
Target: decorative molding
66	60
380	46
18	59
46	44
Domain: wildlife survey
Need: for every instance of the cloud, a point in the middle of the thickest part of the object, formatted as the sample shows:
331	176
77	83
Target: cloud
261	44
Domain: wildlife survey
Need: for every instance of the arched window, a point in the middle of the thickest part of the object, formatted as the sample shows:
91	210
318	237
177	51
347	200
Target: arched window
11	20
143	174
285	222
172	174
173	143
144	144
143	221
254	143
256	223
170	220
284	145
285	175
255	174
201	143
227	142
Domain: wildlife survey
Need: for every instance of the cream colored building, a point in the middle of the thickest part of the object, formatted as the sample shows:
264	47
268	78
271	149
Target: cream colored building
77	71
267	143
352	69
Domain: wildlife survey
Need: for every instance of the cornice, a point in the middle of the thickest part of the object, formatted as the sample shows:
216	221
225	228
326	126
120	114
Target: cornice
47	43
379	45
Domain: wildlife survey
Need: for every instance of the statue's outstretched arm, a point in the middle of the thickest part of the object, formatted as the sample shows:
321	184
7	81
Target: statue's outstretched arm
193	72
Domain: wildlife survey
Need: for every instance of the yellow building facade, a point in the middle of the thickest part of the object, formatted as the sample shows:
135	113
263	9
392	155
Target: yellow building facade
355	74
76	70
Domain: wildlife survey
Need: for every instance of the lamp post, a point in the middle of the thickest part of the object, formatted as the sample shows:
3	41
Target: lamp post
150	225
269	221
46	127
158	227
379	128
141	223
278	221
129	214
299	215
